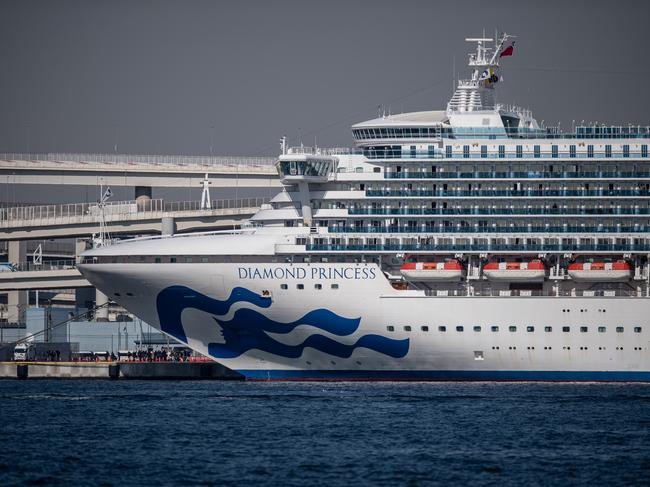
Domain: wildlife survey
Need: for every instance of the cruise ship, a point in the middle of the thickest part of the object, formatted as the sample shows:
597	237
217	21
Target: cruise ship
471	243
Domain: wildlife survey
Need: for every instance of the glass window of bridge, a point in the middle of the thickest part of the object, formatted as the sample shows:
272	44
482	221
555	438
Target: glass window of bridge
619	329
536	151
644	150
512	329
572	151
484	151
637	329
466	151
442	328
502	151
459	328
519	151
626	150
477	328
554	151
448	151
608	150
602	329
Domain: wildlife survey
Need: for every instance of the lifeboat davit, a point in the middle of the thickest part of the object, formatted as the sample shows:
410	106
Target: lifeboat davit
449	270
617	271
533	270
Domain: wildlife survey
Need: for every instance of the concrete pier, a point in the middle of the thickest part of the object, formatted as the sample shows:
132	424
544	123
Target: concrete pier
118	370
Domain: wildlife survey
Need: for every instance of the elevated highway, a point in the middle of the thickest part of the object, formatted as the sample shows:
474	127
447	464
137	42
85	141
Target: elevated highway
125	217
137	170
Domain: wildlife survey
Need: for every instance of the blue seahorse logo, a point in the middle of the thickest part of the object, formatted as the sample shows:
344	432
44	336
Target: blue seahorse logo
248	329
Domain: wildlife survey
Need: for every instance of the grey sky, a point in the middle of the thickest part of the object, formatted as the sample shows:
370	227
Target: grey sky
157	75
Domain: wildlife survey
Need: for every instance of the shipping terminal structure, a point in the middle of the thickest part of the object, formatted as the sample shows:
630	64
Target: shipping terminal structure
472	243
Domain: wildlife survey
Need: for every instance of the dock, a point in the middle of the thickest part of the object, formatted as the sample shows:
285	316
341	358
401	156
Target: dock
118	370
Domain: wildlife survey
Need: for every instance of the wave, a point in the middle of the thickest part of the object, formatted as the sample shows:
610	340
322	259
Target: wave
248	329
172	300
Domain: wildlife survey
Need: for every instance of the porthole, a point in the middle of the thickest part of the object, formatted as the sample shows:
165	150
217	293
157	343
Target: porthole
442	328
619	329
494	328
334	286
300	286
548	329
602	329
637	329
566	329
390	328
584	329
117	294
459	328
477	328
512	329
530	329
424	328
129	295
318	286
407	328
284	286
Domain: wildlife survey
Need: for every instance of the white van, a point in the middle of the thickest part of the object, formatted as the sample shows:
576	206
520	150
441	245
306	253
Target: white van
23	352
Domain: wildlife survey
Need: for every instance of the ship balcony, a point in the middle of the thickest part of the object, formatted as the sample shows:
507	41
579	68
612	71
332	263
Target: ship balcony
414	174
579	212
528	193
483	247
522	229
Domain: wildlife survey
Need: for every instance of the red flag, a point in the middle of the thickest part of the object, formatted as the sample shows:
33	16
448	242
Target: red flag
508	50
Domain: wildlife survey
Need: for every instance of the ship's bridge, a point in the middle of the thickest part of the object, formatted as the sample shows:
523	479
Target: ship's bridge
305	165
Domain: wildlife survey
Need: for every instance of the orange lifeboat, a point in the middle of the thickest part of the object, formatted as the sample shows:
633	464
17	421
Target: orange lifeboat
616	271
449	270
513	271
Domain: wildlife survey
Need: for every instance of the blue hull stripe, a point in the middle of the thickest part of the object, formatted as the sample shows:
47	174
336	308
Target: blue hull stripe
449	375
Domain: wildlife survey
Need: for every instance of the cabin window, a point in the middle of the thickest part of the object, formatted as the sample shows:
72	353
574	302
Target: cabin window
572	151
390	328
566	329
644	150
637	329
204	259
619	329
477	328
448	151
300	286
602	329
519	151
512	328
318	286
530	329
536	151
172	260
283	286
459	328
626	150
494	328
334	286
590	150
548	329
157	260
502	151
478	355
407	328
442	328
424	328
583	329
466	151
554	151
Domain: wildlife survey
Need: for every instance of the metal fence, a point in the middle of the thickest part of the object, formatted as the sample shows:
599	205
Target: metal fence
113	211
141	159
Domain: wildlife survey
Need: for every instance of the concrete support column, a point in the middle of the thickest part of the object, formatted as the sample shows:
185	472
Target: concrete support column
101	299
80	246
167	225
17	301
142	196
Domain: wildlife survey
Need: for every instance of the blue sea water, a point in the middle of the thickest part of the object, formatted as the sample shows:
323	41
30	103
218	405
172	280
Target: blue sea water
252	433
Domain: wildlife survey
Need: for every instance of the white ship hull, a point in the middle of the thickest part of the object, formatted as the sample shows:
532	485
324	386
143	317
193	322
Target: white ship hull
240	315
